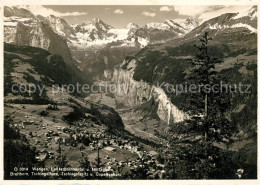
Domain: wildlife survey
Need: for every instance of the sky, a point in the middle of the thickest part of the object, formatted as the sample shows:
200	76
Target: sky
119	16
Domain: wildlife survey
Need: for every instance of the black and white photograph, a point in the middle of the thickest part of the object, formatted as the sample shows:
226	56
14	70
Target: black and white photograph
129	92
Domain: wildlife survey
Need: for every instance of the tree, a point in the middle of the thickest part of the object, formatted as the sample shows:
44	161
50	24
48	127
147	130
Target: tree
61	161
98	165
59	147
85	164
141	172
196	140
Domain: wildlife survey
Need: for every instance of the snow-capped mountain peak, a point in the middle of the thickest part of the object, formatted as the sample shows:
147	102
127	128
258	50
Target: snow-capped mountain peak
18	12
96	20
252	13
156	25
180	28
228	23
132	26
189	24
100	25
173	24
89	26
59	26
95	32
191	21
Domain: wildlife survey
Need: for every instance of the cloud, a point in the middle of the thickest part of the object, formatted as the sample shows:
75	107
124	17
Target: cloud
165	9
207	12
41	10
149	14
228	9
118	11
191	10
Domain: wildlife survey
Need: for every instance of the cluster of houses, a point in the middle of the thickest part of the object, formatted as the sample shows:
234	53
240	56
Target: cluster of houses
95	140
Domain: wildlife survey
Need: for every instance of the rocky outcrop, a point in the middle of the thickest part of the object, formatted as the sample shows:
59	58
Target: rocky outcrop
138	92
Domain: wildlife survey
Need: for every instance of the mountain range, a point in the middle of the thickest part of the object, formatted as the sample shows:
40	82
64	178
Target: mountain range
98	38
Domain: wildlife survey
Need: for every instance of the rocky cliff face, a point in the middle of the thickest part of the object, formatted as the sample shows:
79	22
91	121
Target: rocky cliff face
138	92
25	29
31	31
